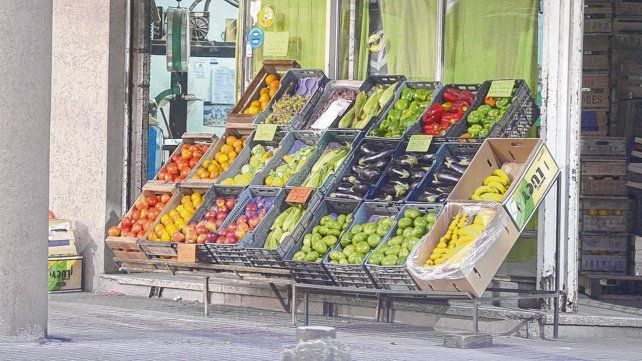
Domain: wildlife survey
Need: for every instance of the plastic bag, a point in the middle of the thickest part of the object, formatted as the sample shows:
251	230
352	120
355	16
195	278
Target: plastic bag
462	262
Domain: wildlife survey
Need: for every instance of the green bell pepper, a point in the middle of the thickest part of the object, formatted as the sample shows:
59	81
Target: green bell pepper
475	129
474	117
484	109
483	133
394	114
421	95
407	93
502	103
402	104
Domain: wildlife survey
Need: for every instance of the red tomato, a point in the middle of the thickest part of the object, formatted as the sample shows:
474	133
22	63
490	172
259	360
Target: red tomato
175	157
182	164
160	206
170	178
148	223
136	228
125	233
197	154
143	213
165	197
135	214
126	223
113	232
193	162
140	234
172	168
185	172
152	200
186	154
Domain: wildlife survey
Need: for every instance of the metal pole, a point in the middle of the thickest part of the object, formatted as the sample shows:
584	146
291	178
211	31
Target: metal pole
475	317
332	39
206	295
556	300
305	307
293	305
441	30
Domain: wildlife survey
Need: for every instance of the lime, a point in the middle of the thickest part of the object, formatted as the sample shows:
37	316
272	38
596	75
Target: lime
343	261
418	231
407	232
323	230
299	256
362	247
389	260
319	246
404	223
329	240
324	220
373	240
382	230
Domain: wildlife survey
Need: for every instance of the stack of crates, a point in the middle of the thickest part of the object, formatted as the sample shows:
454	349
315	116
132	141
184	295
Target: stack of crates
605	207
598	24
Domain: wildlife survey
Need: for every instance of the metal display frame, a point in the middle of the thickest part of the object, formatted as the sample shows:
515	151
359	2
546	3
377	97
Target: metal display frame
385	297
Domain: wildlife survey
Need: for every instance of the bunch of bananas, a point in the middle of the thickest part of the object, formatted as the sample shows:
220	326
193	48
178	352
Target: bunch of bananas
459	234
493	188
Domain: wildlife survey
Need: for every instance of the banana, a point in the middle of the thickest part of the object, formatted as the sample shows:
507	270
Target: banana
492	197
473	230
492	178
500	173
484	189
475	197
500	187
479	219
463	242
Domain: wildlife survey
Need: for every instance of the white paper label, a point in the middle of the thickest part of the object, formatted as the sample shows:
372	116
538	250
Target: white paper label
336	109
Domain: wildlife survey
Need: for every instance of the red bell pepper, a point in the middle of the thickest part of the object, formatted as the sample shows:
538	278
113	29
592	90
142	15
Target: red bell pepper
451	95
467	96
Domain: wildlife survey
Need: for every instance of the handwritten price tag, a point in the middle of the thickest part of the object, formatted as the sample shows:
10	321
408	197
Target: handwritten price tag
265	132
419	143
501	88
299	195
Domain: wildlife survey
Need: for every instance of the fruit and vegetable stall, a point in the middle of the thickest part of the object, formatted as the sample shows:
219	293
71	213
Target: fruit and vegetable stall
381	184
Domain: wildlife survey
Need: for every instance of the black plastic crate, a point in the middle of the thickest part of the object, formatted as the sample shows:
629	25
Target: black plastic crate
288	86
439	98
234	254
433	86
516	122
310	272
274	258
398	277
367	85
356	275
445	149
382	144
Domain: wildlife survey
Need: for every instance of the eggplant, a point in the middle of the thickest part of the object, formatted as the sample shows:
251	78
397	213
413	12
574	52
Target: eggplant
370	159
352	180
344	188
429	197
360	189
367	174
407	160
445	189
395	189
368	149
457	167
345	195
414	185
448	176
399	173
426	158
382	164
417	176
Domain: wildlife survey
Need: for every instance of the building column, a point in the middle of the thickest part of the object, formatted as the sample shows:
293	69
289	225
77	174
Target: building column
87	123
25	94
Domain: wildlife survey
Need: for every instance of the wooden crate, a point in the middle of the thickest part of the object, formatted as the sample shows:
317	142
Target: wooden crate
627	25
605	215
603	147
187	138
628	8
598	17
629	86
597	42
604	242
595	122
603	166
627	42
595	61
127	248
606	262
239	120
610	286
211	152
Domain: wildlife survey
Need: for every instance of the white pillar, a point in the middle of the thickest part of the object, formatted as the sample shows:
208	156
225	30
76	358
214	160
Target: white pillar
561	98
25	90
87	122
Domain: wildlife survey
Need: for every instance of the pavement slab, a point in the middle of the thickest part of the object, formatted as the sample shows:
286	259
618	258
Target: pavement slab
84	326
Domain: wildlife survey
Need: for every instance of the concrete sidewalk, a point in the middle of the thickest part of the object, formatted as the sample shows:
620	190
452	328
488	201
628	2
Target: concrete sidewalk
84	326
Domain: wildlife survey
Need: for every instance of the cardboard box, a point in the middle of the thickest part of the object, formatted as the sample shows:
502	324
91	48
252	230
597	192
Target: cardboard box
61	240
533	176
476	280
65	274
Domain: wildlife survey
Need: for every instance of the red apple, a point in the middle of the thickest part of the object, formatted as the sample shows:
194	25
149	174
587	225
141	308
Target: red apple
191	236
230	203
221	209
164	198
219	222
200	229
178	237
221	215
211	237
254	221
136	228
201	238
251	208
242	219
211	226
210	215
220	201
113	231
232	226
126	223
152	201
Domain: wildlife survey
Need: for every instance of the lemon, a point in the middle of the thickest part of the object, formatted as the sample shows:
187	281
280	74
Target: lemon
186	200
165	220
268	181
196	197
165	237
173	214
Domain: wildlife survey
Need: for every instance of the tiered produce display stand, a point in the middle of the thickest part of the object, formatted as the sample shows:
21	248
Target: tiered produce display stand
386	189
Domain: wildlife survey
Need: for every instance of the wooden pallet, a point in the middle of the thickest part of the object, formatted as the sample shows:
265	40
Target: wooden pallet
609	286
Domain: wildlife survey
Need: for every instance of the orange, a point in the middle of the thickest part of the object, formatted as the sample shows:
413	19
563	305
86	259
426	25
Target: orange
231	155
231	139
254	109
264	104
263	98
237	143
226	148
270	78
264	91
272	92
275	84
214	175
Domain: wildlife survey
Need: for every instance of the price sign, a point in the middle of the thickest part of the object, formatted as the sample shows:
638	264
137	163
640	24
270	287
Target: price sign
299	195
419	143
501	88
265	132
